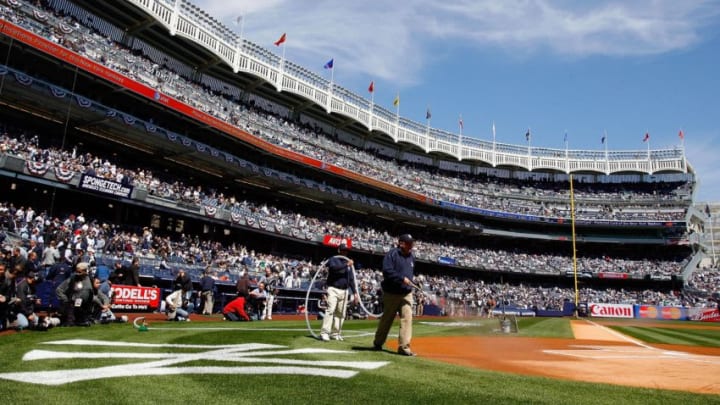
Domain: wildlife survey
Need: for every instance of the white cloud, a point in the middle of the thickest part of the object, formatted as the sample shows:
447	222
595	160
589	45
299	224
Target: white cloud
702	154
395	40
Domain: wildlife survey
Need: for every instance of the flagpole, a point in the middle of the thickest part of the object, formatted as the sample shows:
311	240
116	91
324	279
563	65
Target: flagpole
282	59
712	238
529	137
239	45
397	116
428	115
567	154
371	89
460	138
682	146
494	161
648	144
242	27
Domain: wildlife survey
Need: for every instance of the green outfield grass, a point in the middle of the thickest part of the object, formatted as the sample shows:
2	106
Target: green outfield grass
388	379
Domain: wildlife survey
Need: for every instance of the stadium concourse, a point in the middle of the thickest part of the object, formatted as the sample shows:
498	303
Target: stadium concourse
244	168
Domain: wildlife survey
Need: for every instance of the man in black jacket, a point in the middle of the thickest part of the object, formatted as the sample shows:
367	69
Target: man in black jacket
397	285
340	278
76	297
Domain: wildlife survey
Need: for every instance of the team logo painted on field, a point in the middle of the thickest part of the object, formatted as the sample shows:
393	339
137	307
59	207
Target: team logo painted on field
259	358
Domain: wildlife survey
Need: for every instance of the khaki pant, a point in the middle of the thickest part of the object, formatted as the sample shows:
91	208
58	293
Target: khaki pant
392	304
208	302
335	312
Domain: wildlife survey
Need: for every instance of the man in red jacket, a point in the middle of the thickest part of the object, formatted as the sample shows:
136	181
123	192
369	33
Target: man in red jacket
235	310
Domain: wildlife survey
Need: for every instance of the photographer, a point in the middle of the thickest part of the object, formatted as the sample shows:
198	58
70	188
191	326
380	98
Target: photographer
76	297
27	300
8	296
101	304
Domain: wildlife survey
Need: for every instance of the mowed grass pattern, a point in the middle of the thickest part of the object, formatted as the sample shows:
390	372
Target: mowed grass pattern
674	336
402	381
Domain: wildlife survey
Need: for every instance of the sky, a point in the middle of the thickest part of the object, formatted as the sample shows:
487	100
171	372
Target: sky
583	68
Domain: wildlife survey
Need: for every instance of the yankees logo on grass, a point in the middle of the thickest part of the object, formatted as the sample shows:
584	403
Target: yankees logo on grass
163	363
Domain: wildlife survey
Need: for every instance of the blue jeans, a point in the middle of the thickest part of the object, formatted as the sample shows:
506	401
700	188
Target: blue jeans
23	322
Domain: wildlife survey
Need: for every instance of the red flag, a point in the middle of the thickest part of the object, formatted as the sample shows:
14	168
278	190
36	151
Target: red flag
647	137
280	41
371	87
681	135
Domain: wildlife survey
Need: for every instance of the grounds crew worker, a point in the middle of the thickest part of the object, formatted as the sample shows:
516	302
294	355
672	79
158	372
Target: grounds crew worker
398	271
340	278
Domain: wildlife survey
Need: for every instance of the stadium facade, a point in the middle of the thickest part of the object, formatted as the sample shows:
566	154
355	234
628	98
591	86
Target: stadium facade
164	86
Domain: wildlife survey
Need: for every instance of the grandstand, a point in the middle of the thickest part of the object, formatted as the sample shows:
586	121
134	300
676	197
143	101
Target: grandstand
201	132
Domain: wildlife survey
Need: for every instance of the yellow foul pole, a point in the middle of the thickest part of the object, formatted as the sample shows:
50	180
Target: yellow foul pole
574	255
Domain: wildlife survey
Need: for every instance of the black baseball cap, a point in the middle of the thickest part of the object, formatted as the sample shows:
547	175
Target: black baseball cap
406	237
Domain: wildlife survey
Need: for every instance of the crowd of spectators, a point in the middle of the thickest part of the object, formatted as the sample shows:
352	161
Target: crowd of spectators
79	241
367	237
626	202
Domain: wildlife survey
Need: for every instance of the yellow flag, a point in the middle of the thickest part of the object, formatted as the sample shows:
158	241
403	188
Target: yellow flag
396	102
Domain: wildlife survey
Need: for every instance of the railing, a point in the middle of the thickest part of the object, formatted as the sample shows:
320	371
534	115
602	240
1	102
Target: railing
185	19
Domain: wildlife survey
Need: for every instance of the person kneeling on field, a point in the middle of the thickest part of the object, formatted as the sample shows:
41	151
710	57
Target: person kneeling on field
235	310
173	307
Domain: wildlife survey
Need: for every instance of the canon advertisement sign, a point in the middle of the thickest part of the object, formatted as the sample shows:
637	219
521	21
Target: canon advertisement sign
611	310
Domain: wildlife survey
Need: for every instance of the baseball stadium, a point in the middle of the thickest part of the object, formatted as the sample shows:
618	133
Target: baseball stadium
167	166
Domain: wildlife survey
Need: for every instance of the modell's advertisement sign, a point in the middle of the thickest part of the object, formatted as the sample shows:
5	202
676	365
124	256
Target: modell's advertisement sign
88	182
610	310
335	241
128	298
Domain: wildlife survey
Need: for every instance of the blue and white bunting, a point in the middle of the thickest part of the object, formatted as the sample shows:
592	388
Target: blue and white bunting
58	92
83	102
23	79
129	119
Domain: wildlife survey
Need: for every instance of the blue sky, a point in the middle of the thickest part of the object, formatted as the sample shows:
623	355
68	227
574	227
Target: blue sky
552	66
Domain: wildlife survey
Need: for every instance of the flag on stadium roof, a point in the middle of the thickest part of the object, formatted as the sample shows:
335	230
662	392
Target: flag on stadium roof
681	135
602	140
527	135
647	137
428	115
238	19
371	87
281	40
460	121
396	101
329	64
565	139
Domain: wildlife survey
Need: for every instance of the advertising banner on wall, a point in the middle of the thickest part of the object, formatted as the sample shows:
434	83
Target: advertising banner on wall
610	310
129	298
704	314
661	312
88	182
335	241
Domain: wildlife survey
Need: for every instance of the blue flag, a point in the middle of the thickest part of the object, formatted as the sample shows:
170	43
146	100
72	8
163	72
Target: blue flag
329	64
